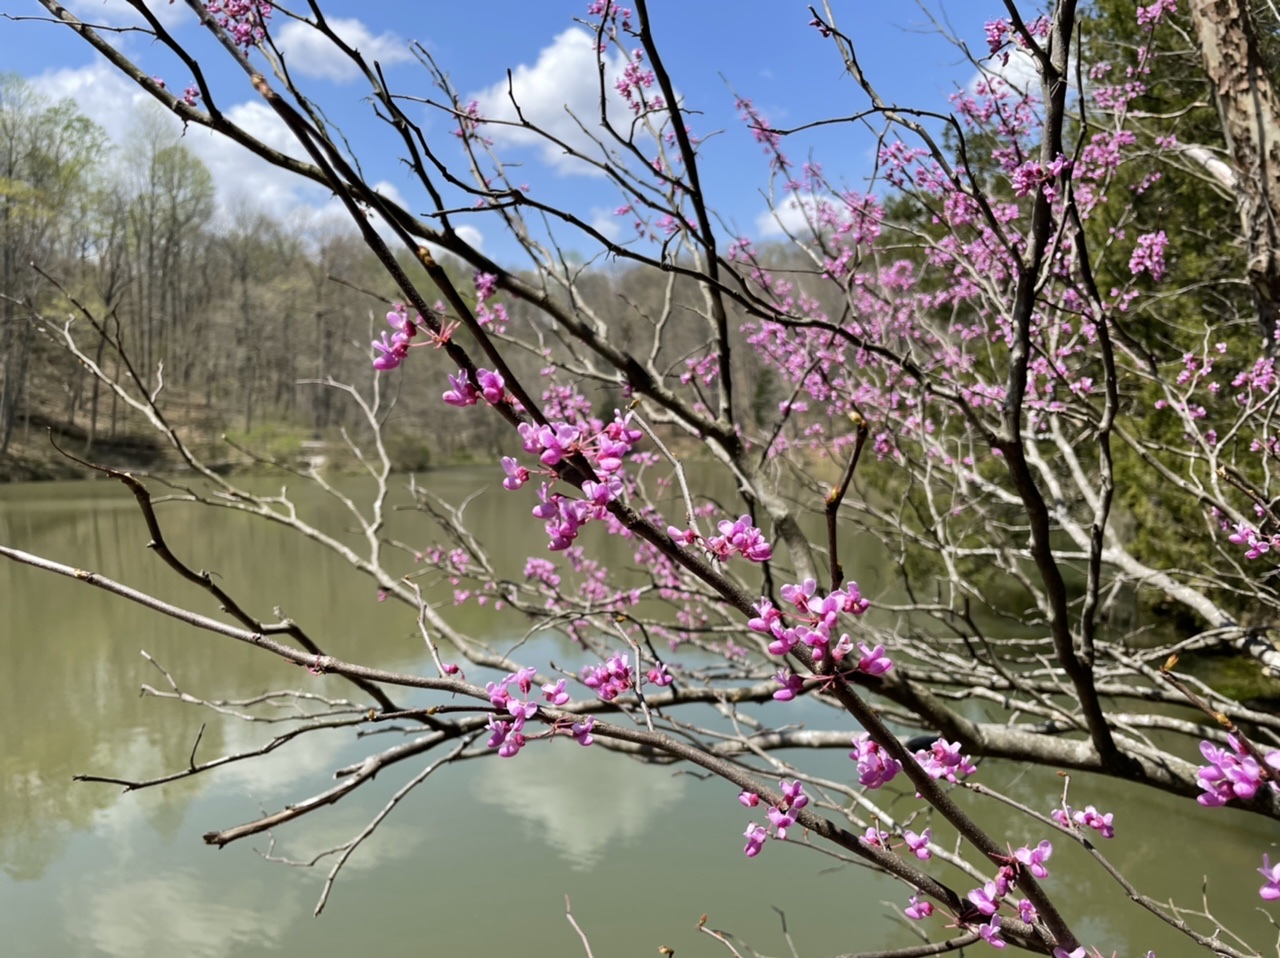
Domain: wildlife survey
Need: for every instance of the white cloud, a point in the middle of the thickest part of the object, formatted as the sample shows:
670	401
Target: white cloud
605	223
114	102
310	53
121	12
241	176
560	94
1019	72
472	236
99	91
792	217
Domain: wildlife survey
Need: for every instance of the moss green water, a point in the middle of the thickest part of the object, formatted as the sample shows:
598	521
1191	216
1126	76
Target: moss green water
478	860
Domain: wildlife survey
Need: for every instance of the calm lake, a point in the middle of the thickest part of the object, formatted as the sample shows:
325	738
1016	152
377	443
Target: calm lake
476	861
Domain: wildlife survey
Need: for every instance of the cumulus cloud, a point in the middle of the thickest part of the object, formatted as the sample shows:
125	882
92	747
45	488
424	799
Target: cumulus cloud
310	53
239	175
559	93
99	92
114	103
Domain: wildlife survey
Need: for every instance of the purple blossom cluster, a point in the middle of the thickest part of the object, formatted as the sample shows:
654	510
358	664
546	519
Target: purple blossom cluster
739	537
1088	817
610	679
1148	255
818	620
1234	773
463	391
943	760
781	816
876	767
391	352
507	735
245	20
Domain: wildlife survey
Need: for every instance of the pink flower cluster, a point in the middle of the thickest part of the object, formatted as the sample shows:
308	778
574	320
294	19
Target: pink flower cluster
1256	545
565	516
739	537
394	350
781	816
1088	817
610	679
943	760
820	617
507	735
463	392
876	767
615	676
1148	255
245	20
1149	16
1233	774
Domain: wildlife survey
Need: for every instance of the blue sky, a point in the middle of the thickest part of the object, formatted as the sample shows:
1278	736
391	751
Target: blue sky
761	49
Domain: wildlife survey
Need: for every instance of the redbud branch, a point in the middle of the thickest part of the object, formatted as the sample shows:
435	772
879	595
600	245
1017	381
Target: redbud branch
835	497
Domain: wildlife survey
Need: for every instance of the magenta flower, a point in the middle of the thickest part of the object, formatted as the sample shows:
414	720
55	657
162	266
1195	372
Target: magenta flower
873	661
659	676
582	730
875	768
990	932
943	760
769	621
743	537
749	799
851	600
1232	774
1271	890
873	836
792	685
393	353
556	694
799	595
780	820
461	391
918	910
517	475
756	836
1034	858
602	493
986	899
498	731
511	747
492	386
919	844
1027	911
787	639
793	794
1100	823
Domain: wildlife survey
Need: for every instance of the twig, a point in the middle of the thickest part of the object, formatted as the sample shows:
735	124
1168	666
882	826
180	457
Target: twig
568	913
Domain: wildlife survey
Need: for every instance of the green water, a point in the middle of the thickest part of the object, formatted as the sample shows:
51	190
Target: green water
476	861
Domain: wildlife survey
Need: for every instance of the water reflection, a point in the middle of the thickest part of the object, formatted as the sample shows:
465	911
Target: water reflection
585	805
478	859
116	913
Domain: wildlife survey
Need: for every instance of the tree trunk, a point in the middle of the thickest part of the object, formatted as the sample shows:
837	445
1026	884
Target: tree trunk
1250	114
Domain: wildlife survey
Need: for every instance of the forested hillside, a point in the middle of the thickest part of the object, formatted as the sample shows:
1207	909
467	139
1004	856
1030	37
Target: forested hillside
233	319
